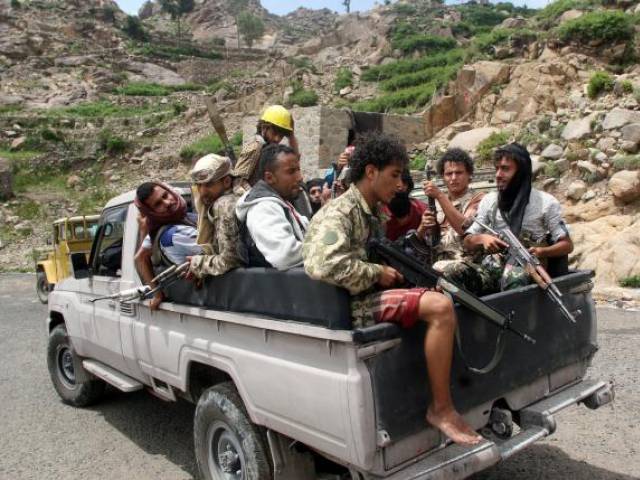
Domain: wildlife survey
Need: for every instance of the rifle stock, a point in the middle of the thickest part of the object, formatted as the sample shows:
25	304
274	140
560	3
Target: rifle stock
218	126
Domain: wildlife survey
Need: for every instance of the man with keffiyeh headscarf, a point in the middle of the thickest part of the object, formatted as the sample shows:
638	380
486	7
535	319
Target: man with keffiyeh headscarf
534	216
161	206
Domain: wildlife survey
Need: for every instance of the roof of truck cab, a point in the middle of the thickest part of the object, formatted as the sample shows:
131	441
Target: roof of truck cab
77	218
182	187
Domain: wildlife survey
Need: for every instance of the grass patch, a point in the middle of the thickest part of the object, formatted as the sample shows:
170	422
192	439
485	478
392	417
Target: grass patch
628	162
20	156
627	86
28	210
4	109
384	72
599	82
488	145
344	78
303	98
419	162
172	52
631	282
303	63
112	144
555	9
105	108
209	144
514	37
423	43
605	26
143	89
439	75
413	97
551	170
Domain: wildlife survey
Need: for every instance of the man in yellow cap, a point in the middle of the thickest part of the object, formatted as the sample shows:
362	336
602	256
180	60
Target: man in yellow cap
218	232
276	122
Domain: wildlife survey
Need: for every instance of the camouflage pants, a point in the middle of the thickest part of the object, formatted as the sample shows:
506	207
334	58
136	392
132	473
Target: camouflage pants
492	275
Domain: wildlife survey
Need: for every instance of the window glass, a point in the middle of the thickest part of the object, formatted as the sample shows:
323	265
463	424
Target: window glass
108	255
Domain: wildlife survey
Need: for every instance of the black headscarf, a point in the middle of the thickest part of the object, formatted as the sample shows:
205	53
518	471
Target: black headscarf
513	200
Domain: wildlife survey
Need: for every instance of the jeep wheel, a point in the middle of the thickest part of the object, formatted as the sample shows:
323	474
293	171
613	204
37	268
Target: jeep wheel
42	286
60	361
228	446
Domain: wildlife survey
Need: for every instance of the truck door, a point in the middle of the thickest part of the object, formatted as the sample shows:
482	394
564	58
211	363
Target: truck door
102	329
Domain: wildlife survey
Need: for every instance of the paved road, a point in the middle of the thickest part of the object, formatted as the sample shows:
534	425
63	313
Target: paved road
140	437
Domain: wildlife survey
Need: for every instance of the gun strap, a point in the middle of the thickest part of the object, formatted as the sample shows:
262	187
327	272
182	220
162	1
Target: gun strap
493	363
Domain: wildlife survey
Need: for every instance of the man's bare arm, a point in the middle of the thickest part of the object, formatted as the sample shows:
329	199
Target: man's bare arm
145	269
563	246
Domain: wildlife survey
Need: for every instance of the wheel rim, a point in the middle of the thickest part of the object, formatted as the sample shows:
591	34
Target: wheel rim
226	460
64	361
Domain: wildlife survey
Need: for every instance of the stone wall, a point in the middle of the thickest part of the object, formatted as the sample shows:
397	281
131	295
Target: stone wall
323	133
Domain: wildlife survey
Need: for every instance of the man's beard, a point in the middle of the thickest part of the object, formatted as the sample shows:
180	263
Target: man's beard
400	204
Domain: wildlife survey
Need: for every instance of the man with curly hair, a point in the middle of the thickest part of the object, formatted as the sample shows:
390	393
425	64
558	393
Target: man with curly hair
457	207
335	251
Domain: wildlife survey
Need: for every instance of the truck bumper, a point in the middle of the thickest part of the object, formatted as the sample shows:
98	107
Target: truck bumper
536	421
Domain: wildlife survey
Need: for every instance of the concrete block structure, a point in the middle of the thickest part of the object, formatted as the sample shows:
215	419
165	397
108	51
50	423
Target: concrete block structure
324	132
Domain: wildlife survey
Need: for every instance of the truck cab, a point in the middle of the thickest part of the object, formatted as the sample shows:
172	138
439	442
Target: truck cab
284	386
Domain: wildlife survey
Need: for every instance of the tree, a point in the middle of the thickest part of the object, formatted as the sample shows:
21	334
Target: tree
176	9
347	5
134	29
251	27
236	7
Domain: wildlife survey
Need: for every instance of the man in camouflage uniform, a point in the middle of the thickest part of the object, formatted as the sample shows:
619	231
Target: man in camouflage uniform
534	216
335	251
218	232
457	208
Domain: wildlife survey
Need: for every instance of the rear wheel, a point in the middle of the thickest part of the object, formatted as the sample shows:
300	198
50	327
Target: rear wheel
60	362
43	287
227	445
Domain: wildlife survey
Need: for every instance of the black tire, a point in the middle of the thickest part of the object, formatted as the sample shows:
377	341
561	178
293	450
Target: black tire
42	286
60	356
227	445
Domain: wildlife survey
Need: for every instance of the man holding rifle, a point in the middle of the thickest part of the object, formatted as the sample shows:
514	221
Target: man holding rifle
533	216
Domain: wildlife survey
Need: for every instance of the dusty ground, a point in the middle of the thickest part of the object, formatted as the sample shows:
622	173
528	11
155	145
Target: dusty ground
140	437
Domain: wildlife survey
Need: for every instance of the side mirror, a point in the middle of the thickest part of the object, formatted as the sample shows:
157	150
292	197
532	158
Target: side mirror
80	266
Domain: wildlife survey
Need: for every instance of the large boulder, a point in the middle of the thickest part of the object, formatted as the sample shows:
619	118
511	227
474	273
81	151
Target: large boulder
570	15
473	81
619	117
6	179
440	114
625	185
513	22
553	152
609	245
150	72
578	129
576	189
470	139
631	132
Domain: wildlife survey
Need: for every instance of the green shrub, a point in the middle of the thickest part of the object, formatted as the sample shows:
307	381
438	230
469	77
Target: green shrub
172	52
10	108
207	144
424	43
418	162
344	78
598	83
551	170
488	145
28	210
482	15
134	29
554	9
51	136
16	4
145	89
384	72
603	25
303	63
631	282
627	86
404	9
104	108
303	98
516	37
112	144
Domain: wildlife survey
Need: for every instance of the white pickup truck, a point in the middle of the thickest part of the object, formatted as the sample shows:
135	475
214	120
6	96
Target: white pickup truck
286	389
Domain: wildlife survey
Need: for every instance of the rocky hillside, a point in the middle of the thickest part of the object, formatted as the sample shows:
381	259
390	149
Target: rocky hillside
92	101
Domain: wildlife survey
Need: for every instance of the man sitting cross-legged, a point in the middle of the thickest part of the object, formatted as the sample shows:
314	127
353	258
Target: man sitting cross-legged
275	229
335	251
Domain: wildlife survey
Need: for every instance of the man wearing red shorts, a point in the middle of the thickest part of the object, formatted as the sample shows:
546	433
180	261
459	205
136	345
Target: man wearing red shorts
335	251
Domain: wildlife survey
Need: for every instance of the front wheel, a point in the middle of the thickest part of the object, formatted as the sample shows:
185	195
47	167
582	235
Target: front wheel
227	445
43	287
60	361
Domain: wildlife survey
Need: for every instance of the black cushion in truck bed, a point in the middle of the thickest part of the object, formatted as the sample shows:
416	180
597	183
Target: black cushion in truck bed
289	295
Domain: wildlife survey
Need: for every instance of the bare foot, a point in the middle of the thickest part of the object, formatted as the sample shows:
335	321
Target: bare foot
453	426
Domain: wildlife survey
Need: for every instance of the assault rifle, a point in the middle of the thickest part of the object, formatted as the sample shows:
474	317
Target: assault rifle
164	279
531	264
424	276
435	233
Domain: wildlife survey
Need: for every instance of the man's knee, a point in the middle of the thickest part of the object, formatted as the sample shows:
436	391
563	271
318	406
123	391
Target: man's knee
436	307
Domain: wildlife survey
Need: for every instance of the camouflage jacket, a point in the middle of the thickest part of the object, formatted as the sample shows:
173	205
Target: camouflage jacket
246	170
450	247
335	245
219	236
